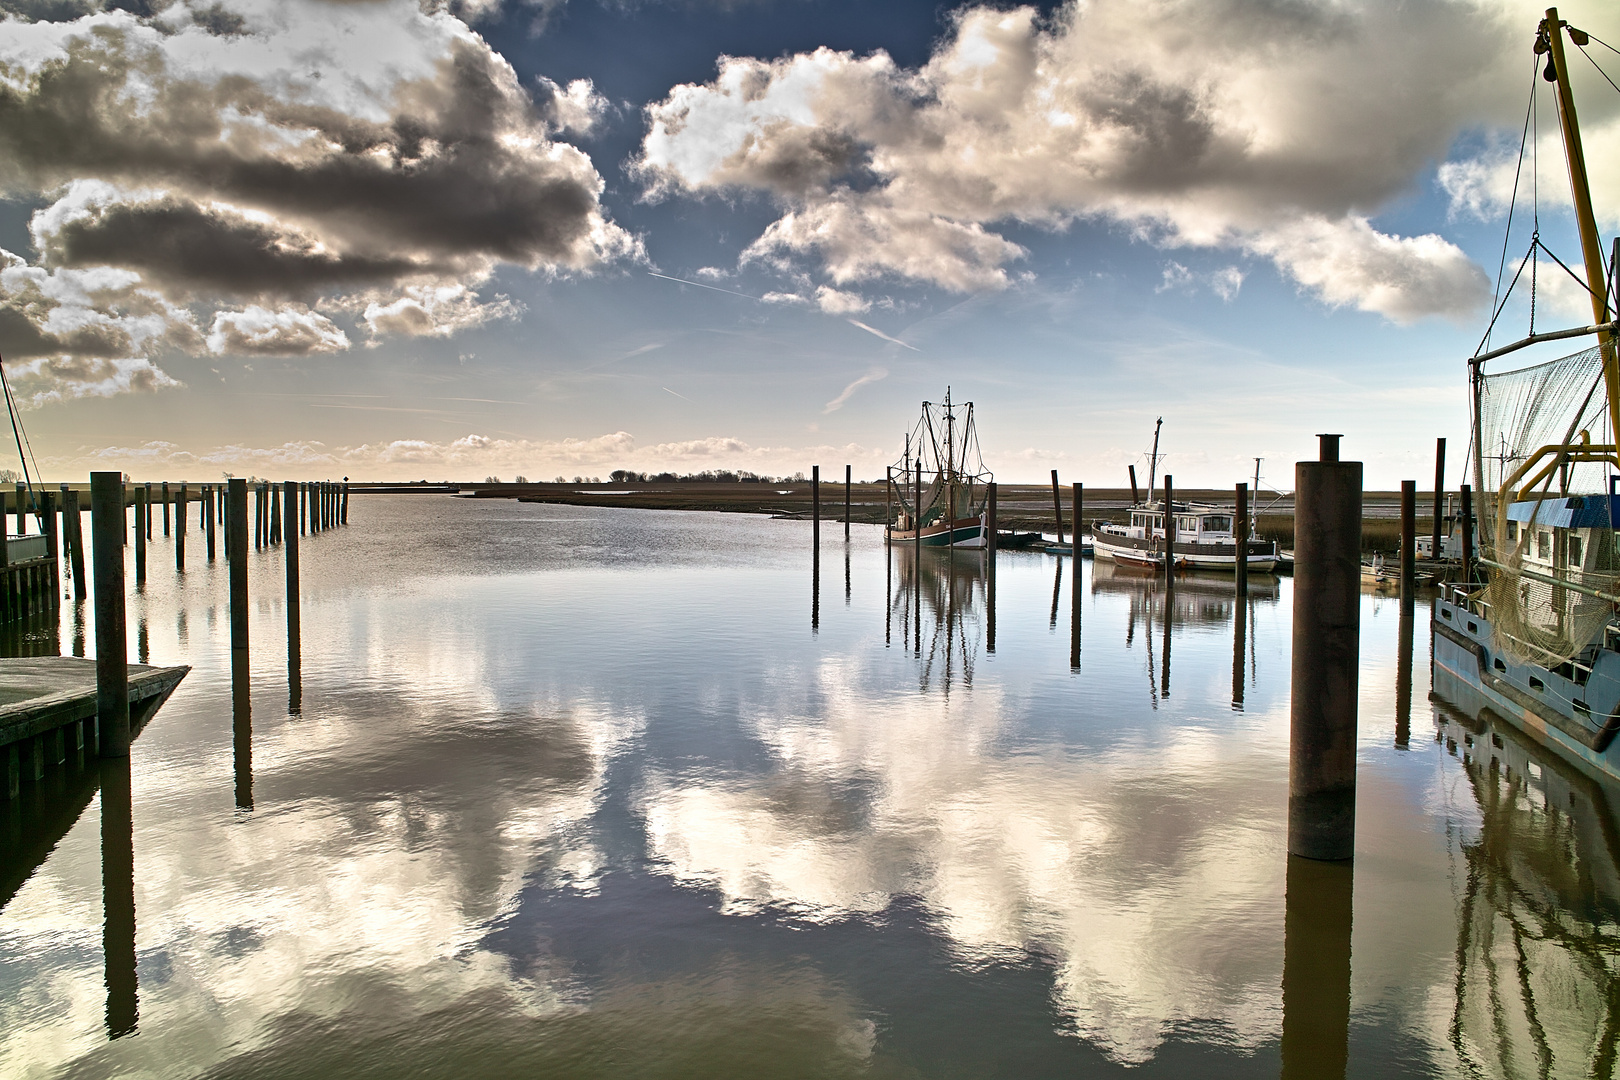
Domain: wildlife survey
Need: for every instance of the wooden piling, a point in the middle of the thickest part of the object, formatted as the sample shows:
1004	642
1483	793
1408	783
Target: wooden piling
1057	507
112	649
209	515
1169	532
1327	649
1077	499
1240	533
236	526
180	531
258	517
73	526
1408	546
990	519
815	506
22	510
343	516
888	503
165	508
275	515
53	551
141	525
848	471
289	538
148	504
1436	551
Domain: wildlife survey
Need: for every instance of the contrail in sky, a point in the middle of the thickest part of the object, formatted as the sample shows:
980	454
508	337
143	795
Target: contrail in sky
700	285
881	334
683	397
849	391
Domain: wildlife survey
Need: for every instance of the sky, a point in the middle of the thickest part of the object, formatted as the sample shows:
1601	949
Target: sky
392	239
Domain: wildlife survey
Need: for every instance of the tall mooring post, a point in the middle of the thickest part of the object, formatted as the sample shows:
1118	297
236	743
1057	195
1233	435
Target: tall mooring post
1327	651
1057	507
165	508
112	648
236	535
180	530
815	506
1240	533
1076	501
1408	547
289	539
1169	534
1439	494
74	527
142	524
210	514
848	470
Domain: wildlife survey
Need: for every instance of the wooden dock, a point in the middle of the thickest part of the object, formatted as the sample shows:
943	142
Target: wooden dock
48	710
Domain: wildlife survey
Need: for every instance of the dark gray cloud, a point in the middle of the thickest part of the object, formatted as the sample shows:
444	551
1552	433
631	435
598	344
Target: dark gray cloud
239	155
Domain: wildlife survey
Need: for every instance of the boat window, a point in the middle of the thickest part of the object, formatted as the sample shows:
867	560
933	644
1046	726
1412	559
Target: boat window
1513	531
1544	545
1186	524
1574	551
1217	523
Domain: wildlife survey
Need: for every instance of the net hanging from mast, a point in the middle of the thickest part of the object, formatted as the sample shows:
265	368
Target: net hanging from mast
1543	436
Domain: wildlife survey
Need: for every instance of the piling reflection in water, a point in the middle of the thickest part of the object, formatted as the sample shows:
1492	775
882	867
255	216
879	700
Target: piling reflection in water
952	587
1403	685
1194	601
118	896
1316	969
242	728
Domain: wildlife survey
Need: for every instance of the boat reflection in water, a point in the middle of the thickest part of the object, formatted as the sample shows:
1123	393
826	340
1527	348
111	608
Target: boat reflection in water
938	605
1537	989
1157	608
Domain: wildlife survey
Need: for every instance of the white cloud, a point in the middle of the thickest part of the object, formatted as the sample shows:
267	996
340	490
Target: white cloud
837	302
288	332
429	311
1232	124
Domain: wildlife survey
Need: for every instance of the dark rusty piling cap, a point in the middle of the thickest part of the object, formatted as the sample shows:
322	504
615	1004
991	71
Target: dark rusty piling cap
1330	448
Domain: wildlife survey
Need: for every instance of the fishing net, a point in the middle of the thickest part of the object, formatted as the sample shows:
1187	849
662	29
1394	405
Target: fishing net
1539	432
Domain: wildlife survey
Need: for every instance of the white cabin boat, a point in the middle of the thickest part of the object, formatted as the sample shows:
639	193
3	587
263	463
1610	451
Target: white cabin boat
1204	539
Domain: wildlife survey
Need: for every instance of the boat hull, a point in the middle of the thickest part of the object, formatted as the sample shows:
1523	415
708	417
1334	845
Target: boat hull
1130	550
961	533
1578	720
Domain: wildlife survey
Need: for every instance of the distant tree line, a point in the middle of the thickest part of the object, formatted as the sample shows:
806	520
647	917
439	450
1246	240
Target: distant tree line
708	476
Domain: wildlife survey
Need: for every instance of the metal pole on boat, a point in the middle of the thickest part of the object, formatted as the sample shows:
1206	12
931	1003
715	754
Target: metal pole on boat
1057	508
1467	536
1136	496
1439	494
1408	544
1241	535
112	647
1327	648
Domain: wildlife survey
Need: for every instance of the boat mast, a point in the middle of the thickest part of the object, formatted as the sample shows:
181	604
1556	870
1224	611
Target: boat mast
1153	461
1591	249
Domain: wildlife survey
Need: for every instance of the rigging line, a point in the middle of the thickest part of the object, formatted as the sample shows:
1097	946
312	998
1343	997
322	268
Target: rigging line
1579	280
1518	169
16	430
1511	286
1600	70
29	443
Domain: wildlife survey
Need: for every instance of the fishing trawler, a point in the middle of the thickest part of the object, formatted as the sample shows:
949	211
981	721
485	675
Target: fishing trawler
1204	540
1537	645
937	491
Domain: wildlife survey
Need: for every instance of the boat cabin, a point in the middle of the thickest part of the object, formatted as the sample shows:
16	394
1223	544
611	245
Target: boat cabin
1569	532
1193	524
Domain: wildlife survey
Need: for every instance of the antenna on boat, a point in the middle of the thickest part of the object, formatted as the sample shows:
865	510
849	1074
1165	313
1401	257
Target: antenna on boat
1153	460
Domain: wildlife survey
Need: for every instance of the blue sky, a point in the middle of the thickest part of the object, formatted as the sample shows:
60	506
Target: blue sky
397	240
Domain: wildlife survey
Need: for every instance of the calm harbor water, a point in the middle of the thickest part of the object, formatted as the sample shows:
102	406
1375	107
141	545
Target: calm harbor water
578	792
